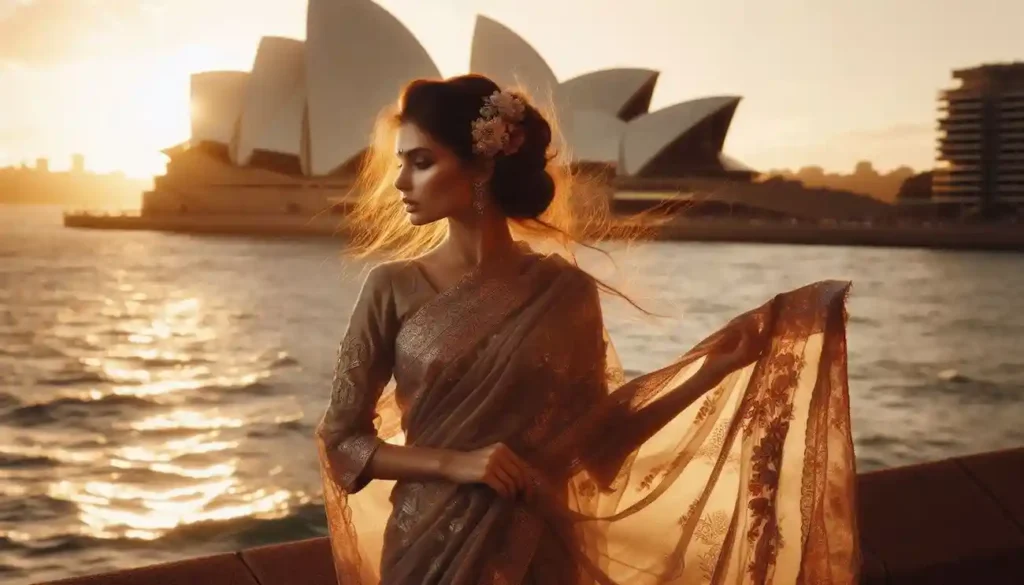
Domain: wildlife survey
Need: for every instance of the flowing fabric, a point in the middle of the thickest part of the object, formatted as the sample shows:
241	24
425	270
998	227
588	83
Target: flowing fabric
650	481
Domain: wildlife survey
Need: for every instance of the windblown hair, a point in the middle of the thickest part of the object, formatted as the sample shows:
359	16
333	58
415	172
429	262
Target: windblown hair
545	201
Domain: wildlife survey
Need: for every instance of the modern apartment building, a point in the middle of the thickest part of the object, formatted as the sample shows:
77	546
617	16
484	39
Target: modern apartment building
981	139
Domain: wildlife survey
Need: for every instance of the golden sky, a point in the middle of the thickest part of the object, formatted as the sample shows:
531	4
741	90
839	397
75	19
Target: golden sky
825	82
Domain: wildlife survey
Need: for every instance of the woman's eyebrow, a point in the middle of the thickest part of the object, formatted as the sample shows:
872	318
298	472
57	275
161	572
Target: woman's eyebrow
414	151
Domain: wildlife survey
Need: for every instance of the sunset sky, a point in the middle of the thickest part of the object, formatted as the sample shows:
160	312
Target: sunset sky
825	82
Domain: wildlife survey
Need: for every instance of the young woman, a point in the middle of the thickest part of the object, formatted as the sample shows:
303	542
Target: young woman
513	449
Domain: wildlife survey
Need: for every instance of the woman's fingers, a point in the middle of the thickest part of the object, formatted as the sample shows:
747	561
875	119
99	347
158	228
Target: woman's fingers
507	481
525	474
507	473
497	485
518	473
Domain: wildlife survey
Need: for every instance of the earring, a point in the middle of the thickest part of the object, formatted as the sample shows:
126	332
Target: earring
479	197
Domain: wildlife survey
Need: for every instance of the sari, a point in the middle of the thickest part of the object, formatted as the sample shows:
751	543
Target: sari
640	482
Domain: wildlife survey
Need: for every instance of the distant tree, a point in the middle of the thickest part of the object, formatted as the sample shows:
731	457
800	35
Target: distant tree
917	188
812	174
865	169
864	179
903	171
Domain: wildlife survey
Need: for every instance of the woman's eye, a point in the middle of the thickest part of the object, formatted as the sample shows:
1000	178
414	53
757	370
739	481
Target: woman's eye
423	164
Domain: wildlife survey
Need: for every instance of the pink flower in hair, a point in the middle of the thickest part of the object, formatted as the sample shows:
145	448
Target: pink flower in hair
499	118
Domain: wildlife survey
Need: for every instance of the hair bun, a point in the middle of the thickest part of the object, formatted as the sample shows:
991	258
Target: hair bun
521	184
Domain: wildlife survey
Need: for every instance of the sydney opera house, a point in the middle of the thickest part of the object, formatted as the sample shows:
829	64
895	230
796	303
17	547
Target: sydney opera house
287	136
286	139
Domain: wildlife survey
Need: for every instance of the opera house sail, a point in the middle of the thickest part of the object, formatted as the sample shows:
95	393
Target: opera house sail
286	138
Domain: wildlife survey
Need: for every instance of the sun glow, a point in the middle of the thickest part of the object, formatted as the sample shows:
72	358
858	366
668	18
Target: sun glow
122	113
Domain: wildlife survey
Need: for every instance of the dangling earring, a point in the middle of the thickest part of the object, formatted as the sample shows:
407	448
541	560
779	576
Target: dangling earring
479	197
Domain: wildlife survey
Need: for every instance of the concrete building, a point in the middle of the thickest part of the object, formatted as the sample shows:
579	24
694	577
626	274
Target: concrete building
297	125
981	140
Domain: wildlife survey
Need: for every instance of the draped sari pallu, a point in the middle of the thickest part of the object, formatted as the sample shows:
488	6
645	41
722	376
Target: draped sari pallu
641	482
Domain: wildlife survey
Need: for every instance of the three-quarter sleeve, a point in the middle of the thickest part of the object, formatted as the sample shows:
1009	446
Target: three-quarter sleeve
364	367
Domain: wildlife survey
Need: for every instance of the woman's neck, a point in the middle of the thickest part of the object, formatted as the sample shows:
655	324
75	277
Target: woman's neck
480	242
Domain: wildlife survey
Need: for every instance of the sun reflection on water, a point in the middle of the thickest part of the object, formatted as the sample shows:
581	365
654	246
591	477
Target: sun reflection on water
175	455
186	419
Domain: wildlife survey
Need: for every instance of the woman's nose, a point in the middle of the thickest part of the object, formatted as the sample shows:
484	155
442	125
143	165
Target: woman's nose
402	182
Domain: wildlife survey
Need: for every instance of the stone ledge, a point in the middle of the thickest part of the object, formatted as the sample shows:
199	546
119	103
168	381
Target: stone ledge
222	569
935	523
957	521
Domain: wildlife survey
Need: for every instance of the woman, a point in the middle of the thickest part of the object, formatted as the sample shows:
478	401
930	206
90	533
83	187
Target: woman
526	458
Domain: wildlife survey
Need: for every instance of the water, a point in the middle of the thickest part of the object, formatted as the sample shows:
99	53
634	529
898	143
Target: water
158	392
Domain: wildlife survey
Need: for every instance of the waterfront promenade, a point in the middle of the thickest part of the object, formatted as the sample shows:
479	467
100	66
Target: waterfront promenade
952	522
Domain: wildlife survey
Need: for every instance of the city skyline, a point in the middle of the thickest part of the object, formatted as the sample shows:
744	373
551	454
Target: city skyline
112	81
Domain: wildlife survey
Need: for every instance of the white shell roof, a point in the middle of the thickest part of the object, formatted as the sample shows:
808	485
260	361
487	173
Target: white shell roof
648	135
511	62
358	58
320	99
607	90
275	100
216	102
594	136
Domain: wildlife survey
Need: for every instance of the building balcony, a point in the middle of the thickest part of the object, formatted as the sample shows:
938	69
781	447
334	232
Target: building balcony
960	169
951	195
959	128
958	160
960	97
957	188
946	177
963	114
958	140
955	150
965	143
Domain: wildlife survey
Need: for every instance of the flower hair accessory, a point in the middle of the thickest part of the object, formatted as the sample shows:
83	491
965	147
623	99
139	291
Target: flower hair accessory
496	131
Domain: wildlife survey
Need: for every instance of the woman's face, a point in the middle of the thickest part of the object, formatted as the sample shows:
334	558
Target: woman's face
434	183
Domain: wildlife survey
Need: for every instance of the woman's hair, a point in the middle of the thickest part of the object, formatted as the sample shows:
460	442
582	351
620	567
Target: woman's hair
520	185
534	188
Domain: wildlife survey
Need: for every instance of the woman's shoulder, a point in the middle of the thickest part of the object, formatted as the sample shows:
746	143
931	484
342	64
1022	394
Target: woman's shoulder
570	272
389	275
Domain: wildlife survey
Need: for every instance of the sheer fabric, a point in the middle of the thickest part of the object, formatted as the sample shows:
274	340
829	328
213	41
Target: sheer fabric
650	481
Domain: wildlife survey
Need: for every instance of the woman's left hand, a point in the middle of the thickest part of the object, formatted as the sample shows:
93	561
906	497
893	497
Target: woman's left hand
747	343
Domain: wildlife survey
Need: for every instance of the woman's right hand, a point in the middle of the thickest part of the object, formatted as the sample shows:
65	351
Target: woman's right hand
747	343
496	466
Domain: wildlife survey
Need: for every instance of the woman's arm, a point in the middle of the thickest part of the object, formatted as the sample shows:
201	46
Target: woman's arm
354	451
495	465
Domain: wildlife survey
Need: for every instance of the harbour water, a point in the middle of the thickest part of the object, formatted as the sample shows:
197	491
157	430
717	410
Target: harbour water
158	392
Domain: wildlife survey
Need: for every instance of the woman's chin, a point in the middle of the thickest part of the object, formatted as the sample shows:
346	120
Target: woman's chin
418	218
